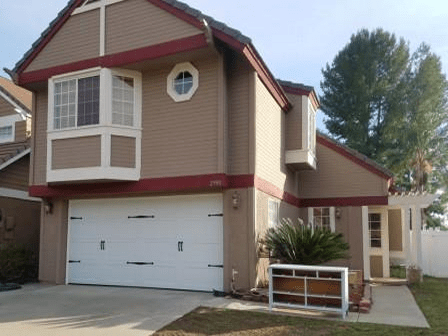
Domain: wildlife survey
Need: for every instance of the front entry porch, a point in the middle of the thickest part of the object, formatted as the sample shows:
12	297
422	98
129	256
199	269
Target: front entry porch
392	234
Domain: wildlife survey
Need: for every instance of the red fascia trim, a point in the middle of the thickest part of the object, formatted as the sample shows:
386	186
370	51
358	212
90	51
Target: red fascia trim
351	157
254	59
240	181
119	59
178	13
272	190
164	184
49	36
267	78
344	201
303	92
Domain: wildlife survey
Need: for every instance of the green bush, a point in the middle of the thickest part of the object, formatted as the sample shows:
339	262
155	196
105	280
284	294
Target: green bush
299	244
17	264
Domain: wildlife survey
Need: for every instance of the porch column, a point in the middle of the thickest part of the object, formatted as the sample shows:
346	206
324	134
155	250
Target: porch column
418	238
366	242
407	234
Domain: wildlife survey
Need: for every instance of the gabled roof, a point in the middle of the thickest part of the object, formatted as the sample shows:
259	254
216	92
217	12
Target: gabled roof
301	90
232	37
21	97
11	152
354	156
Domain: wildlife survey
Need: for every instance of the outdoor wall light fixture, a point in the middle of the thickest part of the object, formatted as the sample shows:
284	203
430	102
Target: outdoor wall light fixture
337	213
48	207
236	200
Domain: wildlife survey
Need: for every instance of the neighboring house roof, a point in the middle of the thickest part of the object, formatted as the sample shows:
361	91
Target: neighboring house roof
232	37
18	95
354	156
11	152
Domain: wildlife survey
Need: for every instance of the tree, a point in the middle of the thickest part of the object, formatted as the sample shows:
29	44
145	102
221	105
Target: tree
361	89
391	107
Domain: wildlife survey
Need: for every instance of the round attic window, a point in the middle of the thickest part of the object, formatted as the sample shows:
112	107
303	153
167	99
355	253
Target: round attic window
182	82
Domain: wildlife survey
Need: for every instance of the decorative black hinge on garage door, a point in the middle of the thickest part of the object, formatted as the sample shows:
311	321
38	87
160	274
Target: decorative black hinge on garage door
80	218
216	266
216	215
141	216
74	261
139	263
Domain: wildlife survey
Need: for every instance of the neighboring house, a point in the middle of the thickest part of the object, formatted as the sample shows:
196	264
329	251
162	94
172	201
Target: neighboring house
19	213
164	148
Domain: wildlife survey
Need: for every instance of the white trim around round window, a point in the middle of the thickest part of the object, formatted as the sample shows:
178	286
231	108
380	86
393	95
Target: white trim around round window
182	82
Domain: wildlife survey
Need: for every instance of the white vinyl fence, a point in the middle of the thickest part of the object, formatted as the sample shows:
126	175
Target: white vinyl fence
435	253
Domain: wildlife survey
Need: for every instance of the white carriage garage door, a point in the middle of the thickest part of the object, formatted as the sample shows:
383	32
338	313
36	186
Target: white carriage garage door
166	242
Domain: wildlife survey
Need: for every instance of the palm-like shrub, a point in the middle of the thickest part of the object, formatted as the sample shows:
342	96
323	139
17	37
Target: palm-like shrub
299	244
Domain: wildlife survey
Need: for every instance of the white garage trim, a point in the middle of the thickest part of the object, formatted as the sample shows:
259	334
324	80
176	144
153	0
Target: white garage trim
164	242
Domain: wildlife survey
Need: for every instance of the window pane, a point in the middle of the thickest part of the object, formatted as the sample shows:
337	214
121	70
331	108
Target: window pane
123	101
88	101
5	133
183	82
64	101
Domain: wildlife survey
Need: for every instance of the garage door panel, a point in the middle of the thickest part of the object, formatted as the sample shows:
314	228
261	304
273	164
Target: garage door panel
147	230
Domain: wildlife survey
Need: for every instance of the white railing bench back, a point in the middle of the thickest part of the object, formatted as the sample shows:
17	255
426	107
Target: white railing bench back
309	287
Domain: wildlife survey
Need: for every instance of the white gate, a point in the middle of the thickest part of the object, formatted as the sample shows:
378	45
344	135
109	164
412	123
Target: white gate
434	253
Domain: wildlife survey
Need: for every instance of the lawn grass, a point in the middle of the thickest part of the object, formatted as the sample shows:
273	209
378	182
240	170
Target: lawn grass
431	295
398	272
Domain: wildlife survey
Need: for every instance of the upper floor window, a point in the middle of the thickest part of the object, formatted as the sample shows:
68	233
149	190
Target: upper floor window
182	82
6	134
97	97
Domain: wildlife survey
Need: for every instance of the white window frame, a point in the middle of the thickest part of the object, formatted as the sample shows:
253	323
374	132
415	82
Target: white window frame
273	213
105	118
332	217
105	129
10	121
179	68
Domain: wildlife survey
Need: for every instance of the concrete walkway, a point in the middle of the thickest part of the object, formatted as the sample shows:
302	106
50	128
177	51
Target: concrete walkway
95	310
394	305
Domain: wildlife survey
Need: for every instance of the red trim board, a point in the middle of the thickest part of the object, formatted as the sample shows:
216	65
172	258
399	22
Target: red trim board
321	140
344	201
119	59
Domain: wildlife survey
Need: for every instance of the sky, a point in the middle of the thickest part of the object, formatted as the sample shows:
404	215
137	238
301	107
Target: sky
295	38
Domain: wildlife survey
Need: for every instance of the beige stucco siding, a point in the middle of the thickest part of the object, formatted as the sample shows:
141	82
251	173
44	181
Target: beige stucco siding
270	141
134	24
239	94
6	108
337	176
40	138
76	152
122	152
15	176
180	138
294	124
78	39
53	243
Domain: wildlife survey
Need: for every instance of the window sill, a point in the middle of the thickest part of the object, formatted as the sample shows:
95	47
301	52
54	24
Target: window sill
303	159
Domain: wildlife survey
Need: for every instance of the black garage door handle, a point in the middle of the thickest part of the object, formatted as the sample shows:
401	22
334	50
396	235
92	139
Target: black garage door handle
139	263
74	261
217	266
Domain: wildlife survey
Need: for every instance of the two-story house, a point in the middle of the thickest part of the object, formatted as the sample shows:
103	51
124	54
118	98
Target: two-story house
164	147
19	213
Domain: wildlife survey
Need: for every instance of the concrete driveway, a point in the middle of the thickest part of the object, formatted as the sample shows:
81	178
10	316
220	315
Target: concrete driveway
94	310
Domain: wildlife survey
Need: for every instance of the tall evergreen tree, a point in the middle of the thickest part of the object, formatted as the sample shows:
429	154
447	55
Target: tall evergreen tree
393	108
362	86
